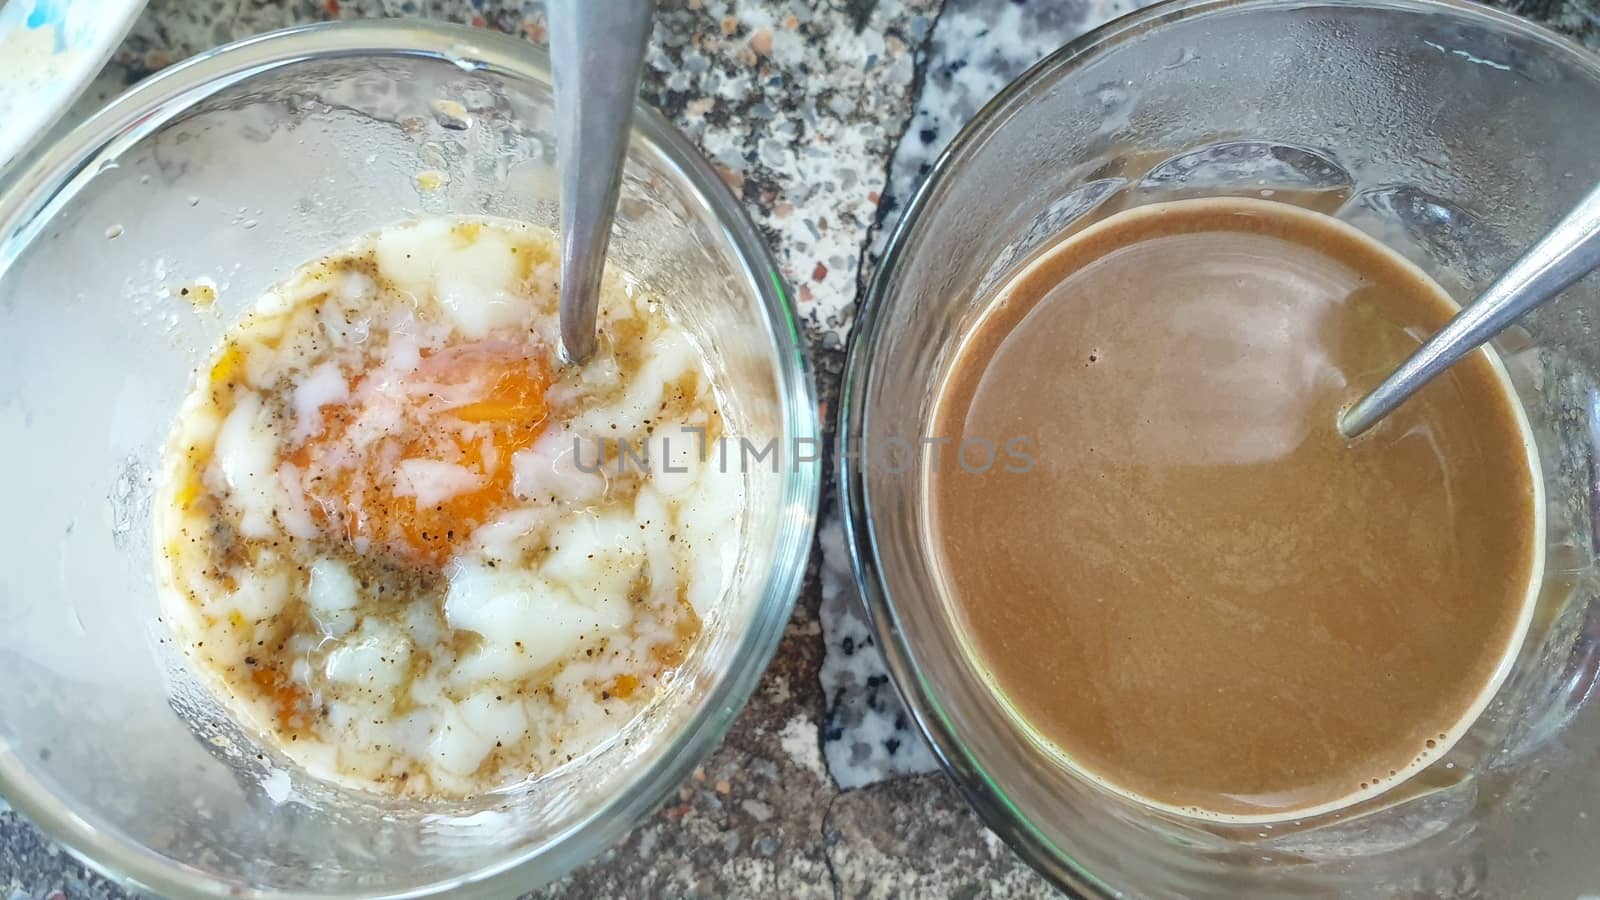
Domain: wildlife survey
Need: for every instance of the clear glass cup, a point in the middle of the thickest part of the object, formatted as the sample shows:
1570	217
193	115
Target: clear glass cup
237	166
1453	133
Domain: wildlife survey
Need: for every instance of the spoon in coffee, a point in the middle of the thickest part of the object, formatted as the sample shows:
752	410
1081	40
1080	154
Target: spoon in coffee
1566	253
596	55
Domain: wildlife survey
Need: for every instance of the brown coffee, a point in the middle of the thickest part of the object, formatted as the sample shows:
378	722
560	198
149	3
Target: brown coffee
1200	593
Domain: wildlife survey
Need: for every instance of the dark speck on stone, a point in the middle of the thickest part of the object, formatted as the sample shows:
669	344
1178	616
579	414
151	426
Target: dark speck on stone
891	745
928	135
860	11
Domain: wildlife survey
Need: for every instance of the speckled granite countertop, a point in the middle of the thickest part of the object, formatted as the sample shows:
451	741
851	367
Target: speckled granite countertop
824	116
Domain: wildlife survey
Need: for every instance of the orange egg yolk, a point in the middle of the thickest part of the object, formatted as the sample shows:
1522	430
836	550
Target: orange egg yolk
470	405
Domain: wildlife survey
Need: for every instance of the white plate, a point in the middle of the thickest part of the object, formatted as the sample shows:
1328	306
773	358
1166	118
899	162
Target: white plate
49	52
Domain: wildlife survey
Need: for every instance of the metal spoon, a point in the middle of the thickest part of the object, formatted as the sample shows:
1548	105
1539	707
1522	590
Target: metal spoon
1566	253
596	55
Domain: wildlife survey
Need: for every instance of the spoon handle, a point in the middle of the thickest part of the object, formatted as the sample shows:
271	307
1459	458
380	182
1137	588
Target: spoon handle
596	56
1566	253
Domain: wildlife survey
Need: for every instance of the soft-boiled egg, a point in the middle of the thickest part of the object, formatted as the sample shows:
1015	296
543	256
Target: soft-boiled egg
403	541
412	464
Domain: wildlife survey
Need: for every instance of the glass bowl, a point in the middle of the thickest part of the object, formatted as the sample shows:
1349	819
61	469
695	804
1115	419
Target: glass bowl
236	166
1453	133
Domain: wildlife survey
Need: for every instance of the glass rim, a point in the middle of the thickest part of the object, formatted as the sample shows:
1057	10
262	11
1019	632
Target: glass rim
54	175
853	495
